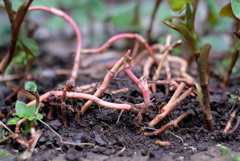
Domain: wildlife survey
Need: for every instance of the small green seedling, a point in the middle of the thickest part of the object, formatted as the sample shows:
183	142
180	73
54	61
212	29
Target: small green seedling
236	158
29	113
235	98
4	154
224	150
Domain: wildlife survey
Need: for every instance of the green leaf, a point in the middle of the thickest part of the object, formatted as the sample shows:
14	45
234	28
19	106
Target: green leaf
98	9
31	110
13	121
177	5
31	86
188	17
23	111
39	116
213	12
234	96
226	11
236	8
29	45
190	36
123	16
27	128
31	118
21	108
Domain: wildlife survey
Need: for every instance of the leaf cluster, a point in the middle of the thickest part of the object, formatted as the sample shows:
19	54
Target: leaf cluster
22	111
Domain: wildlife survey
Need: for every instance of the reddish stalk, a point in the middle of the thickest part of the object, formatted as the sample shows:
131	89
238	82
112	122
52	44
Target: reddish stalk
68	87
169	107
77	32
173	123
229	69
229	123
107	55
85	96
162	143
174	85
109	76
85	88
165	54
121	36
143	54
236	125
119	91
175	95
50	113
16	24
142	85
135	49
32	131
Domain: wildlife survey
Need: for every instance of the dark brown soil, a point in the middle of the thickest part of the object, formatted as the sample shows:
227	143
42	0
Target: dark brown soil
98	126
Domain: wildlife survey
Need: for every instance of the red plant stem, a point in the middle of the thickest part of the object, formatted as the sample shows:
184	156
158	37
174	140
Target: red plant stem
173	123
77	32
236	125
68	87
85	87
33	133
172	82
175	95
135	49
121	36
229	123
170	107
17	130
23	142
169	48
229	69
16	24
187	81
109	76
162	143
85	96
50	112
119	91
142	85
143	53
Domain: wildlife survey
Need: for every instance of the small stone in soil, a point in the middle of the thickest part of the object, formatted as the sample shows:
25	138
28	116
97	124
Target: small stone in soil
55	124
78	138
201	147
49	144
74	155
120	140
43	147
156	154
144	152
42	140
99	140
